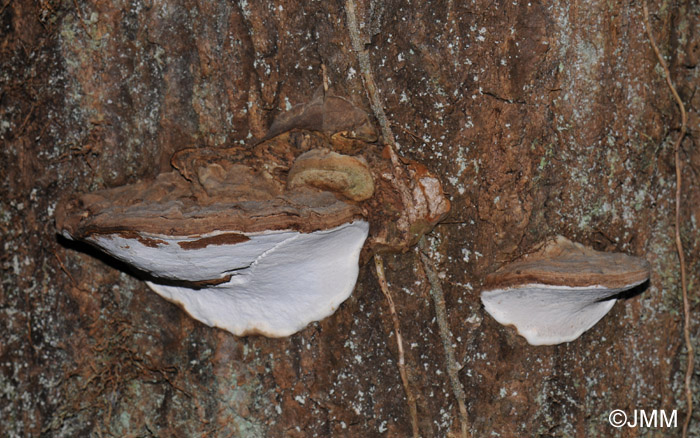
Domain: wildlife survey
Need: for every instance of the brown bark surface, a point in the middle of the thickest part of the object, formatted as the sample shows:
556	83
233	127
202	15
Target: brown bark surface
540	118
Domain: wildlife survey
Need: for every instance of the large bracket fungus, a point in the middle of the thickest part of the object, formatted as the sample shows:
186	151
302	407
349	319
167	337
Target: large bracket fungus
265	239
558	292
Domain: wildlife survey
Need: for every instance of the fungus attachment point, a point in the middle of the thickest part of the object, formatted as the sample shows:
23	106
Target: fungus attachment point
557	293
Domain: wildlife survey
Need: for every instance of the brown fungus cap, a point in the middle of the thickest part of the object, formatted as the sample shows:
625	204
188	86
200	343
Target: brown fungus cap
171	205
561	262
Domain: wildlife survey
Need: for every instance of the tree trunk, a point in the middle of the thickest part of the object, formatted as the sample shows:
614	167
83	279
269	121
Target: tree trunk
540	118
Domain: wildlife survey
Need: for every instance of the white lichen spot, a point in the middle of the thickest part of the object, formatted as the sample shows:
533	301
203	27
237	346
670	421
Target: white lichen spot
474	319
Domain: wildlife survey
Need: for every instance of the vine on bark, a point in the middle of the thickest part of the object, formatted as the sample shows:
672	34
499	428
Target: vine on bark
679	243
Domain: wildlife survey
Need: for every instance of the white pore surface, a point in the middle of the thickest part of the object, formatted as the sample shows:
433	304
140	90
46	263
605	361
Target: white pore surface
549	315
299	279
169	260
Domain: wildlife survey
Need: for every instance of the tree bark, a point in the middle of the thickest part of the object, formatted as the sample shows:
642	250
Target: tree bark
540	118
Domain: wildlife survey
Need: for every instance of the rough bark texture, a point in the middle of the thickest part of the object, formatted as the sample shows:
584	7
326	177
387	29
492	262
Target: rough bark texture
541	118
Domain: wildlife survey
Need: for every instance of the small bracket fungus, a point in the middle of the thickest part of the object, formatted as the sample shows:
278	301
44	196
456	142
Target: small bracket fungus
265	239
557	293
332	115
331	171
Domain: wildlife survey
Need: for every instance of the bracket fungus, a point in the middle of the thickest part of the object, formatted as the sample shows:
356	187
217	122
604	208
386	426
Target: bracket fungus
265	239
558	292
